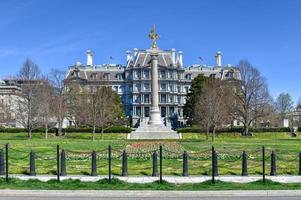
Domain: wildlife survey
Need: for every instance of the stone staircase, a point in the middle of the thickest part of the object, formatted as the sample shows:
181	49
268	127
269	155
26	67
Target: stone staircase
153	132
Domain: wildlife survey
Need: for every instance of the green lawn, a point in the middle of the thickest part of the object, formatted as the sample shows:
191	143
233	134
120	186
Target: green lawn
78	148
120	185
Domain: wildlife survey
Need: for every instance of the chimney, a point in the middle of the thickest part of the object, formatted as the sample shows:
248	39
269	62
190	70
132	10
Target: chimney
128	55
135	52
89	58
218	59
173	55
180	58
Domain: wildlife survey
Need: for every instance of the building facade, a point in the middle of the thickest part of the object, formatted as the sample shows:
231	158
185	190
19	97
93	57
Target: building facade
9	91
132	81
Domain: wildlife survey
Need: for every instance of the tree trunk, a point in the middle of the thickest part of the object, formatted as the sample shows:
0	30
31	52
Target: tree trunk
246	127
208	131
29	133
60	124
213	134
102	133
93	134
46	131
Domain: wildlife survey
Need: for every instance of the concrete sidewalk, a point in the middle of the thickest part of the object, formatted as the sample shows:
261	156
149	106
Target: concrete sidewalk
170	179
152	194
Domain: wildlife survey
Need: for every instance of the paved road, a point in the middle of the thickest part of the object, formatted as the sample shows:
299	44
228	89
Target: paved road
147	195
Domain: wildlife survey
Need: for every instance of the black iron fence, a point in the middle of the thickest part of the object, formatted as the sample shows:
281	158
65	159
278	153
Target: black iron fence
90	162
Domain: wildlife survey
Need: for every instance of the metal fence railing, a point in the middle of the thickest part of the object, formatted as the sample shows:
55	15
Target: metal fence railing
120	162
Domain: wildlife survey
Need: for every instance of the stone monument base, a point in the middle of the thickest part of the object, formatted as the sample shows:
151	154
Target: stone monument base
154	132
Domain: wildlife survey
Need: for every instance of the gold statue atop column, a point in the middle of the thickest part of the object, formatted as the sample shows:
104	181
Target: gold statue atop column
153	36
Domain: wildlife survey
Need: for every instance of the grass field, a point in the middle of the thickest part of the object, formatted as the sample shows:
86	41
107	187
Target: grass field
78	148
120	185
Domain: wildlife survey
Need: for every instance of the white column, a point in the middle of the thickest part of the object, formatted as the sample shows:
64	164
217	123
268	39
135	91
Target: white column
155	116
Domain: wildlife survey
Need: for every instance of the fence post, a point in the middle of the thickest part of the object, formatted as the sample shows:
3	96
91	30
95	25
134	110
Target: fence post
244	164
124	163
161	157
215	164
32	164
263	164
6	162
212	164
185	163
155	163
2	165
58	163
273	163
94	166
63	163
110	167
299	163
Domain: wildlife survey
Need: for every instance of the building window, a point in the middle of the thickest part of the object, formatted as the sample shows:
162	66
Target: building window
179	99
137	87
146	98
106	76
186	89
146	111
212	75
146	74
170	87
146	87
137	73
76	73
162	74
163	86
229	75
188	77
163	111
179	89
170	98
93	76
170	74
178	75
119	76
136	98
163	98
171	111
138	111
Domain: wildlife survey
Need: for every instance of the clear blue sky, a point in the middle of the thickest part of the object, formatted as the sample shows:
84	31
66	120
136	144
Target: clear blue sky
56	34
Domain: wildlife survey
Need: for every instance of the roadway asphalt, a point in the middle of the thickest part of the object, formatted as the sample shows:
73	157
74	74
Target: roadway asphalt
147	195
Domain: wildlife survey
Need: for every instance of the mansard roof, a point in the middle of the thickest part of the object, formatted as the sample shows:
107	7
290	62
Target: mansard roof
143	59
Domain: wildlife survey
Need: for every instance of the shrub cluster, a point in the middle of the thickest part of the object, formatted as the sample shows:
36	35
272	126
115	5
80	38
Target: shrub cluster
116	129
233	130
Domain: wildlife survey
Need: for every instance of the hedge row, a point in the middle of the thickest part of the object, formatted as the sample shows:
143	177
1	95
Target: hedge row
234	130
69	130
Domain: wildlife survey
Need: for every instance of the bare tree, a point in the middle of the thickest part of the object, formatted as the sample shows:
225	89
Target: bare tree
212	105
27	102
93	104
60	104
251	96
76	104
46	95
109	108
284	104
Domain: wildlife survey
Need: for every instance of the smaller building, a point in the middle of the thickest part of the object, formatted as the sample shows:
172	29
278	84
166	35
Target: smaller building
9	91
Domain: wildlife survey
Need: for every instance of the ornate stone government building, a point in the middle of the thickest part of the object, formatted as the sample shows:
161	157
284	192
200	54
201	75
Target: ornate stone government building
132	81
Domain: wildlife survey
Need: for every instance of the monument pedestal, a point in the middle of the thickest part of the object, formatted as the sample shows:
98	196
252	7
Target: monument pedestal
154	132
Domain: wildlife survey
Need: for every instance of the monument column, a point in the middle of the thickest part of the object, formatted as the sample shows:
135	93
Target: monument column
155	115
